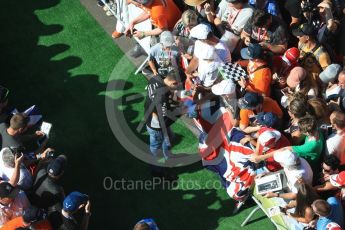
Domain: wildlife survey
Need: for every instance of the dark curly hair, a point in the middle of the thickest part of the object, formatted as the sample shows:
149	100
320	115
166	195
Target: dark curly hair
260	18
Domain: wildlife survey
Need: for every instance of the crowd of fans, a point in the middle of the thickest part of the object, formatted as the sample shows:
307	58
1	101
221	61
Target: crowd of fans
290	108
31	191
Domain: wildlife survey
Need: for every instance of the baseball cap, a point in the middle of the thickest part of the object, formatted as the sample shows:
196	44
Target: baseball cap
189	17
253	51
286	158
224	87
324	4
269	137
330	74
7	190
57	166
143	2
291	56
72	202
304	29
200	31
166	39
33	214
194	2
268	119
338	180
296	75
250	100
333	226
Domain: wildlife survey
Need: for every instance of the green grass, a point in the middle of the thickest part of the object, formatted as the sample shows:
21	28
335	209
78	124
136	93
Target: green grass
55	55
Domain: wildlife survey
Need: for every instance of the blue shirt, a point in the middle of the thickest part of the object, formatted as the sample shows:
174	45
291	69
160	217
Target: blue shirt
336	215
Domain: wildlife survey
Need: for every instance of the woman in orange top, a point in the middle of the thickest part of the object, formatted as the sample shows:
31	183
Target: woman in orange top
163	15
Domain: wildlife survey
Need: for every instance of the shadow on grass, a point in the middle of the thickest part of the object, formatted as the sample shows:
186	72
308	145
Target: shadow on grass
72	102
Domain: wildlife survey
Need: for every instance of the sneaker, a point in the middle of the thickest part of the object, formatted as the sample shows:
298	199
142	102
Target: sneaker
100	3
137	51
109	13
116	34
105	8
239	204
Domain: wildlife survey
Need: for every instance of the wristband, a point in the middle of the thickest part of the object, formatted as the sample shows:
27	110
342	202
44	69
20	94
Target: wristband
278	195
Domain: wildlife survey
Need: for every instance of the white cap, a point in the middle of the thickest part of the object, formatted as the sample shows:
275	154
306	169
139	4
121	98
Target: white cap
166	38
286	158
268	137
324	4
330	74
200	31
224	87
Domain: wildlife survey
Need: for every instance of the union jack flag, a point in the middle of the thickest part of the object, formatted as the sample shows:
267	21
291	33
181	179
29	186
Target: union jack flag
222	153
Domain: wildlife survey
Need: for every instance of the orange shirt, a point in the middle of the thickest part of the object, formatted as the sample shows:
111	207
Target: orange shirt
268	105
19	222
260	82
163	17
259	78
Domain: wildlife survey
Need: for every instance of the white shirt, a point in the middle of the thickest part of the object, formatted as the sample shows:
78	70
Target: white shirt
335	144
208	72
236	18
303	171
25	178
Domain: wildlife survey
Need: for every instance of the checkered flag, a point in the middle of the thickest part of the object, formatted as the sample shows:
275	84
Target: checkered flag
232	71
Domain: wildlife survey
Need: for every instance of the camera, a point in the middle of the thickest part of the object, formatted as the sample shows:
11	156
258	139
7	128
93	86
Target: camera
308	6
50	154
17	151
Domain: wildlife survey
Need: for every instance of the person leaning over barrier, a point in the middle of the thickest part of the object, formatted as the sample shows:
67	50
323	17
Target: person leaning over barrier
163	16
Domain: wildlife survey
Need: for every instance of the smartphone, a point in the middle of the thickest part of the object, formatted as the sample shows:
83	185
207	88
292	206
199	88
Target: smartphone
282	210
285	91
329	130
329	14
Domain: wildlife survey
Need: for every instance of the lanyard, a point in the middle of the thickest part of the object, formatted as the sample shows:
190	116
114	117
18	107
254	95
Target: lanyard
260	38
232	18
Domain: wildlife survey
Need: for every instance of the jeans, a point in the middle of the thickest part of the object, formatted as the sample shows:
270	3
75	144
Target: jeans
159	142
